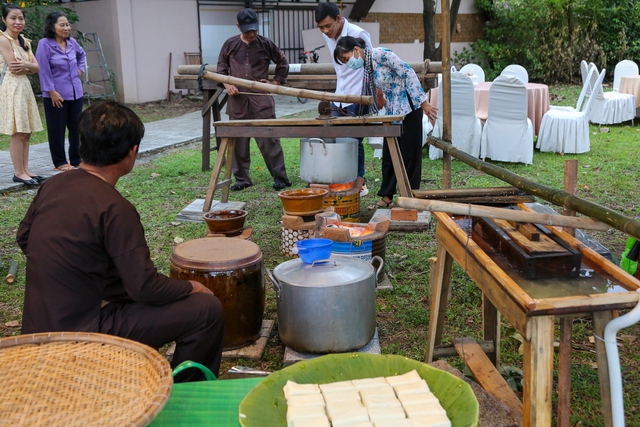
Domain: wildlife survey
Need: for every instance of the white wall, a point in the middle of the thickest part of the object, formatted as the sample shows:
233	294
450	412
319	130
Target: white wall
416	6
137	36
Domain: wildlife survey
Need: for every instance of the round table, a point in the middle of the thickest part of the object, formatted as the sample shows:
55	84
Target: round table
631	85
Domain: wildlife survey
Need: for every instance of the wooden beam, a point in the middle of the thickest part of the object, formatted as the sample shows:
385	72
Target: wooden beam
310	69
500	213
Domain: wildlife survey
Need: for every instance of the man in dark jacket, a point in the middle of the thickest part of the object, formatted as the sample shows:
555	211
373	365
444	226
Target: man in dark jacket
247	56
88	263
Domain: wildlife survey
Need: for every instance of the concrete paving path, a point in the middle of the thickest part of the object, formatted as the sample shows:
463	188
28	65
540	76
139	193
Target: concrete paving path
158	136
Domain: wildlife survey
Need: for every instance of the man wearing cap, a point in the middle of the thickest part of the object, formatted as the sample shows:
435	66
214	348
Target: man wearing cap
247	56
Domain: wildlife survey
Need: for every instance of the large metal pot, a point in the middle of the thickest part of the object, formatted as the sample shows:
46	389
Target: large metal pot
326	307
328	160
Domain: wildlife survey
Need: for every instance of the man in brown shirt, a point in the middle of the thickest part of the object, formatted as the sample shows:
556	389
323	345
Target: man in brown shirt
88	263
247	56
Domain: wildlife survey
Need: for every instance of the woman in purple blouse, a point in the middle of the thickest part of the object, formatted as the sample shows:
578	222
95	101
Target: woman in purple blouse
62	62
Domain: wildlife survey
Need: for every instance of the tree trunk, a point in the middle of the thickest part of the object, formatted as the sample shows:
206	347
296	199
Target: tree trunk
428	18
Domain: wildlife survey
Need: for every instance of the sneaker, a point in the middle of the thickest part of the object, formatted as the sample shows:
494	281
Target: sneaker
364	190
281	185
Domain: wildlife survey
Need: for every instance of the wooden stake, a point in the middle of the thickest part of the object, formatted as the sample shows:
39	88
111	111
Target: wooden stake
499	213
13	271
570	187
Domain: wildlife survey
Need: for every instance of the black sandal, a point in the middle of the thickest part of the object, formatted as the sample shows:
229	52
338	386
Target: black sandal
381	204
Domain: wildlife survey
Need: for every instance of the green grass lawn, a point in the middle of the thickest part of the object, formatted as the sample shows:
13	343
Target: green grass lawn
162	187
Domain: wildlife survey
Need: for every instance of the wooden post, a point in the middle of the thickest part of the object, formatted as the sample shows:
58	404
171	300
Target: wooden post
538	371
439	297
445	44
570	187
206	130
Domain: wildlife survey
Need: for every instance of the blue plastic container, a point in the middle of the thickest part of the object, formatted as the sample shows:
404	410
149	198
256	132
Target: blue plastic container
311	250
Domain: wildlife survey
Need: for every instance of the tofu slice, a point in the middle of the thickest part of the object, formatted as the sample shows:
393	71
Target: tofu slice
420	398
293	389
413	388
349	417
336	387
344	406
378	391
312	422
406	422
380	413
295	413
369	383
380	400
363	424
435	420
408	378
314	399
338	396
424	409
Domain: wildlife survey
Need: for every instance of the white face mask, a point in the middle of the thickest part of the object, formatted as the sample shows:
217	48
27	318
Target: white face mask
355	63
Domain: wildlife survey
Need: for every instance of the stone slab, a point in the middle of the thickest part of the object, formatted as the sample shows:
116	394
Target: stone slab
292	356
423	223
193	212
252	351
385	283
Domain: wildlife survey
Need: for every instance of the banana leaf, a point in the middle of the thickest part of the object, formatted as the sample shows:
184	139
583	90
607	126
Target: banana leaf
265	405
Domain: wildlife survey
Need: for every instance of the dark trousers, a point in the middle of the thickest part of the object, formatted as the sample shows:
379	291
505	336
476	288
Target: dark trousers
354	110
58	120
271	151
411	149
195	323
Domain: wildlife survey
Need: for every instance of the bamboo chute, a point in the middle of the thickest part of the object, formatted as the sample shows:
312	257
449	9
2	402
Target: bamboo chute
289	91
594	210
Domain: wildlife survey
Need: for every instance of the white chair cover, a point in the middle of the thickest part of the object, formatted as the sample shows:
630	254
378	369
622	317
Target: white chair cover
508	133
586	85
610	107
473	69
568	131
623	68
517	71
466	128
584	71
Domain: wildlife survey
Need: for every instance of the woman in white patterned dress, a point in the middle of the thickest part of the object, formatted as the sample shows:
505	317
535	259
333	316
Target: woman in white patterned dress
19	115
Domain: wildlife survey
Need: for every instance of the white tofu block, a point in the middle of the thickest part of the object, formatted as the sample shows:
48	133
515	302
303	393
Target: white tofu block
413	388
364	424
312	422
369	383
435	420
408	378
420	398
296	413
293	389
336	387
406	422
343	406
314	399
377	400
424	409
378	391
379	413
349	417
342	395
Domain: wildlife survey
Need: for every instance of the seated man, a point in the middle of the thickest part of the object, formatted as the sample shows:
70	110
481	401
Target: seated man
88	263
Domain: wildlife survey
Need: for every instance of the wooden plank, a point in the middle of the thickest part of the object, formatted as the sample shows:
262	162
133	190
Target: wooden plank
564	372
600	320
404	188
252	351
488	376
489	200
322	123
538	372
491	329
294	131
449	350
544	244
465	192
500	213
439	299
215	174
311	69
206	131
529	231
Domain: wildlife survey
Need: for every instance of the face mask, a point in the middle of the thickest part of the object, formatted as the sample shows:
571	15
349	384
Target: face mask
355	63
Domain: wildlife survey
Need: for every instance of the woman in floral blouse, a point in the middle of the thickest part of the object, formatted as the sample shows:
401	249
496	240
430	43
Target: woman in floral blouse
397	88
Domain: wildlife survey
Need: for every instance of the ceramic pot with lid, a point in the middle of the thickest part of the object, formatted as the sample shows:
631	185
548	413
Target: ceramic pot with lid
232	270
326	307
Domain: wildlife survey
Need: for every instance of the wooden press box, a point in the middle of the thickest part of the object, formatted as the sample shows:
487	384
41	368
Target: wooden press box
533	250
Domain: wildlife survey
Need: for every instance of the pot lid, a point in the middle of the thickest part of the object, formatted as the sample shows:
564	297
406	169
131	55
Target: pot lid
216	253
335	272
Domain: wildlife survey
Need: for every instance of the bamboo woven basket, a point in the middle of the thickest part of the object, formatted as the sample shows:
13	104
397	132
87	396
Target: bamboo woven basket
80	379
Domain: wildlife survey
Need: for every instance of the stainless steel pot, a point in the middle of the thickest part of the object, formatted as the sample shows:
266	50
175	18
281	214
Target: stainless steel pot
326	307
326	162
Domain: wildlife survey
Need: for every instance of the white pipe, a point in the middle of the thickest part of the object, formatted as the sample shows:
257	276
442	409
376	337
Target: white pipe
613	360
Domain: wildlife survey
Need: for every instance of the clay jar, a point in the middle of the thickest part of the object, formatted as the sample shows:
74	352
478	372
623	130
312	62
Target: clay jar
304	201
232	270
228	222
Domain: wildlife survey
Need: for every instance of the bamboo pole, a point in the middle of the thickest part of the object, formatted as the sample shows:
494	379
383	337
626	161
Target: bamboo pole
445	46
501	213
309	69
616	220
289	91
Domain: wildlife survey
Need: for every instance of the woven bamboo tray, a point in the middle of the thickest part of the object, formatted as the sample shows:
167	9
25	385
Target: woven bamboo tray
80	379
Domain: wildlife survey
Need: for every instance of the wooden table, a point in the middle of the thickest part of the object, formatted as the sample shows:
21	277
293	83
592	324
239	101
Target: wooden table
531	307
388	127
631	85
537	96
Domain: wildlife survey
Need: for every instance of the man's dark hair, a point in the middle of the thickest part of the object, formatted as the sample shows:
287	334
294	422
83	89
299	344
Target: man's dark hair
50	24
108	131
327	9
